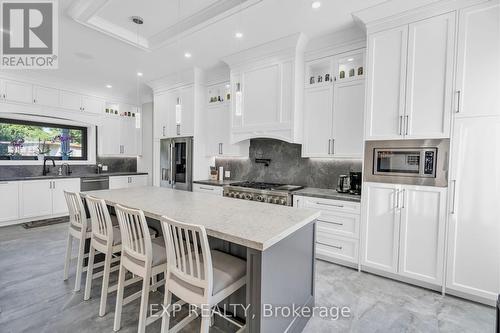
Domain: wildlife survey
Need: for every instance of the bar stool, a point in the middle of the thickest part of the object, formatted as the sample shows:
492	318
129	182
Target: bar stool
79	228
141	256
196	274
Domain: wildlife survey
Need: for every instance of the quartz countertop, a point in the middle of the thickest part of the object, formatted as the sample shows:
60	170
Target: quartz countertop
326	193
248	223
73	175
215	182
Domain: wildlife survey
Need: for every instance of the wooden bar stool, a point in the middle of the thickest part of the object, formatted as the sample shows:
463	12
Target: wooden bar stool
196	274
79	228
141	256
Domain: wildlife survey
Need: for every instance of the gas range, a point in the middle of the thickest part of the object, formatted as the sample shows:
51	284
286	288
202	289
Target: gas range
279	194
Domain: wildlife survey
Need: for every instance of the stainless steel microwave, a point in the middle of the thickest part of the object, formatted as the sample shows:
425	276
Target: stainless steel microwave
414	162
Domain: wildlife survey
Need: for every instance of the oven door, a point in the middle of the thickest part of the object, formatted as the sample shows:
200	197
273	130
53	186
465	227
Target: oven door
405	162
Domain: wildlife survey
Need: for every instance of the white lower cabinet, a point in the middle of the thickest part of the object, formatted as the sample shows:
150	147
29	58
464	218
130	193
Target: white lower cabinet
337	229
39	198
403	230
209	189
117	182
9	192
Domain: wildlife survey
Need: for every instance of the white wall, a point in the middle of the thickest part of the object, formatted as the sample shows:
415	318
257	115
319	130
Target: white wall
145	161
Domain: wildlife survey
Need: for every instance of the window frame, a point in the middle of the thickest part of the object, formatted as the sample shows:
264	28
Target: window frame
84	130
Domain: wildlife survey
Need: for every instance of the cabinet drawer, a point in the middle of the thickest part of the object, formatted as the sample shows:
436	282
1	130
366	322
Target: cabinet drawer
339	223
215	190
328	205
331	247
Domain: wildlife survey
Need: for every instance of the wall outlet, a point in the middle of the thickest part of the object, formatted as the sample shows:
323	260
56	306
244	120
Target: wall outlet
227	174
104	168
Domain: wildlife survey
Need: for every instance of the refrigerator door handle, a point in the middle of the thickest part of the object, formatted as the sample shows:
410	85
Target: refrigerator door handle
172	164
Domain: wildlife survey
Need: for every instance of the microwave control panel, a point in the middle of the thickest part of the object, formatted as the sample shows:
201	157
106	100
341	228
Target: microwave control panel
429	162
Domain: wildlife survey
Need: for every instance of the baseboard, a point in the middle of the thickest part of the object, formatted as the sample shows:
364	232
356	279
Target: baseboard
31	219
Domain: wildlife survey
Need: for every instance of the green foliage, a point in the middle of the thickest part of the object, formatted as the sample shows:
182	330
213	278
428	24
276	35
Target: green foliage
10	132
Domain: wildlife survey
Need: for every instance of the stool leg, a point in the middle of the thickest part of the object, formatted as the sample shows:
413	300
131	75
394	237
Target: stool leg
90	272
205	324
143	312
119	299
105	284
67	259
79	264
165	321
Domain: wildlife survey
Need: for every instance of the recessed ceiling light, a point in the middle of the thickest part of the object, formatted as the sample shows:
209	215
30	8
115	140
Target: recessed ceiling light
350	59
238	35
139	74
187	55
316	4
109	86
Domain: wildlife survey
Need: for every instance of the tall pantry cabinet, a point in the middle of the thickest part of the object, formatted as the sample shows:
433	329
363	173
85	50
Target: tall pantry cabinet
474	220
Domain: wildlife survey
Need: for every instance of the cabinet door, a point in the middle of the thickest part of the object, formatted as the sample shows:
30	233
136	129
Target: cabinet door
16	91
429	82
70	100
92	104
108	136
35	198
478	67
163	106
380	227
128	136
59	205
318	122
9	192
474	228
385	93
118	182
46	96
421	245
217	129
187	113
138	181
348	110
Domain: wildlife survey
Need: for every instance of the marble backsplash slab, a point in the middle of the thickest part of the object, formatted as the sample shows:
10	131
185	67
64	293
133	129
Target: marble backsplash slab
287	165
115	164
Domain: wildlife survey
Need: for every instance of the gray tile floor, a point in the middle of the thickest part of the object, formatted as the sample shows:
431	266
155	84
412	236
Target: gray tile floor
33	297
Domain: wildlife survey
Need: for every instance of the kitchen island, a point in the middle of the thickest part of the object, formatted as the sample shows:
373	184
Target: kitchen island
278	243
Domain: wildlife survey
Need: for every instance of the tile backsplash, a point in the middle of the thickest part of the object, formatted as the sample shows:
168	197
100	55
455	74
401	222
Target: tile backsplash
286	165
115	164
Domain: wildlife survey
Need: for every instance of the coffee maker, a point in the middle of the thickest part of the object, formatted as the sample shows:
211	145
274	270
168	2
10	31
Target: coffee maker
355	183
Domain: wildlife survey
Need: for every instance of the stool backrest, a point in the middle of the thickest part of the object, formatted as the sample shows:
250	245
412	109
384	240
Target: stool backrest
76	210
136	241
102	227
188	251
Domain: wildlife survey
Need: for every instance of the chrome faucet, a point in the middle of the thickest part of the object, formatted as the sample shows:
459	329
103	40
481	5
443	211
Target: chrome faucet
46	169
68	169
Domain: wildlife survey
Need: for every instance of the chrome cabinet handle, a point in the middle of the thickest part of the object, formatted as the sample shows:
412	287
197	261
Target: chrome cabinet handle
329	146
397	199
454	182
336	223
337	247
406	125
163	130
332	205
178	129
403	200
458	101
220	148
206	188
333	146
400	125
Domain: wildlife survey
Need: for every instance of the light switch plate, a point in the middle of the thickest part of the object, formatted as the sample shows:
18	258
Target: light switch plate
104	168
227	174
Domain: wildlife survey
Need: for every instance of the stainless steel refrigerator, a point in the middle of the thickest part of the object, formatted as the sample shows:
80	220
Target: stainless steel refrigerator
176	163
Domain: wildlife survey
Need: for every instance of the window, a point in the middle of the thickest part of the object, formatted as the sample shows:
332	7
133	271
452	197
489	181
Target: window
27	140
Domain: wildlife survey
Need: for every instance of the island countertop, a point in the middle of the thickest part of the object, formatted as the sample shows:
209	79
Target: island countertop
252	224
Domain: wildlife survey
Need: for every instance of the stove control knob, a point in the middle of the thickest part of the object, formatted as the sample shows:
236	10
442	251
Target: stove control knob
248	196
236	195
276	200
259	198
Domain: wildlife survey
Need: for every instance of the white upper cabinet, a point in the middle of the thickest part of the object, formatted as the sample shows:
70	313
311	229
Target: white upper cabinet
410	76
174	113
16	91
119	135
380	227
474	228
161	104
267	92
385	93
348	107
46	96
184	115
478	61
429	89
92	104
421	244
318	121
